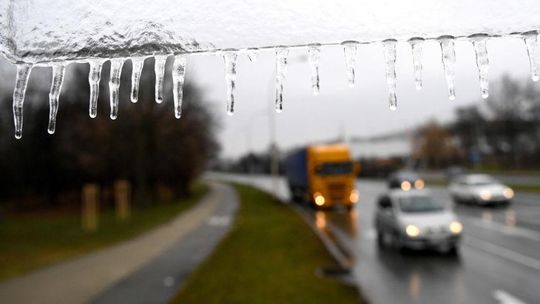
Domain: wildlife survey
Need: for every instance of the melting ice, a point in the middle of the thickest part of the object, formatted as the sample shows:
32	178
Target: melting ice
23	71
229	58
114	86
314	55
416	47
390	59
531	41
178	76
159	68
58	71
482	62
449	60
350	49
281	69
136	70
94	76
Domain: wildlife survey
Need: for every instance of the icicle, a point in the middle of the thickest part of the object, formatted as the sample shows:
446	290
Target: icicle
314	54
94	77
114	86
281	69
350	48
23	71
136	70
449	61
482	62
229	57
531	41
159	68
416	47
390	58
178	75
253	54
58	71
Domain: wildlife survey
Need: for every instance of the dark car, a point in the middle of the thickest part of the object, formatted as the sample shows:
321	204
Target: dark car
405	180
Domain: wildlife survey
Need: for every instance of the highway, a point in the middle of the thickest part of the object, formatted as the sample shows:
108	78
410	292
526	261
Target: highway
498	260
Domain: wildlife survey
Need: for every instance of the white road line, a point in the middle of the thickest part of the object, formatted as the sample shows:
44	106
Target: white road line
504	297
503	252
507	230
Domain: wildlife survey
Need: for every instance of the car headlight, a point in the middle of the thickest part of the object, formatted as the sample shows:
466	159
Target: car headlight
319	199
354	196
405	185
419	184
508	193
412	231
485	195
455	227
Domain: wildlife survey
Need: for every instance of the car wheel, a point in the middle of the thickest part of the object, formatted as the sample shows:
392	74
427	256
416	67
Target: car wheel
452	251
396	242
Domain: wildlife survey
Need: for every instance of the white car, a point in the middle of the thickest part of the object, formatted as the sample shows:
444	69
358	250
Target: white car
414	219
481	189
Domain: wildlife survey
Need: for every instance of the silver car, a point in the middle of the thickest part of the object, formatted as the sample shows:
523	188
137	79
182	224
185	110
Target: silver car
480	189
414	219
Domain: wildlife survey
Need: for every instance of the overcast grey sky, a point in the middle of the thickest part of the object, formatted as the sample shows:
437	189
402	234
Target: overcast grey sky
359	111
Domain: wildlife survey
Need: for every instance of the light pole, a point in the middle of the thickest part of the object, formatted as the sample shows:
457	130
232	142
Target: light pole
274	152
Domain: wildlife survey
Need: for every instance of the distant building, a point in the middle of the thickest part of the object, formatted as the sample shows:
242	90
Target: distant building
398	144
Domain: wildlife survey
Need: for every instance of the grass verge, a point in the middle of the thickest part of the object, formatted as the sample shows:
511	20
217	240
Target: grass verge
270	256
28	242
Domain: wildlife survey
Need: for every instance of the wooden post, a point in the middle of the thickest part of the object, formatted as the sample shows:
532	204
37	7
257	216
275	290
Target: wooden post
90	207
122	197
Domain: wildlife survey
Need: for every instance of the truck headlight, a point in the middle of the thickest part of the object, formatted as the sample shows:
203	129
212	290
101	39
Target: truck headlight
485	195
508	193
412	231
405	185
455	227
354	196
419	184
319	199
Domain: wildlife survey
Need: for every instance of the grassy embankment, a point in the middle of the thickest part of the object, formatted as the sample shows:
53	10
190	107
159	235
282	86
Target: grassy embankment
270	256
30	241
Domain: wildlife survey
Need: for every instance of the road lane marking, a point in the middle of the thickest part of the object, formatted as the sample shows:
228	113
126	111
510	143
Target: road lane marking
507	230
503	252
219	221
504	297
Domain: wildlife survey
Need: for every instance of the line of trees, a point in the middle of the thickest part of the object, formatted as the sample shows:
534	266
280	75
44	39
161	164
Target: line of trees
146	145
500	133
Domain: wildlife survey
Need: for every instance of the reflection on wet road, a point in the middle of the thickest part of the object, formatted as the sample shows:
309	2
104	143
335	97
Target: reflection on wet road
498	262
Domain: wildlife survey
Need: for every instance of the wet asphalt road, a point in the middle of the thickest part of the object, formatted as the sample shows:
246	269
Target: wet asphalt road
498	262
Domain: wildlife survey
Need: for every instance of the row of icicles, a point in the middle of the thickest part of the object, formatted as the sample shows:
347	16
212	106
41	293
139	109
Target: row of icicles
230	57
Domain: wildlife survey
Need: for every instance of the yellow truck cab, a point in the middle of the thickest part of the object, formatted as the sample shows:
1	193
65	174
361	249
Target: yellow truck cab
323	175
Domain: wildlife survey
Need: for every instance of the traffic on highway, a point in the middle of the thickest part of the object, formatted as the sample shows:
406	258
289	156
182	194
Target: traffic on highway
419	246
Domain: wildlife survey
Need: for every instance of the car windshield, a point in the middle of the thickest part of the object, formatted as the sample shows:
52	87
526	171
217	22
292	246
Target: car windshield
407	176
335	168
480	180
419	203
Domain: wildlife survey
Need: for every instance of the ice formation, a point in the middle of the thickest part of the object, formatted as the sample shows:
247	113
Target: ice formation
230	56
281	69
